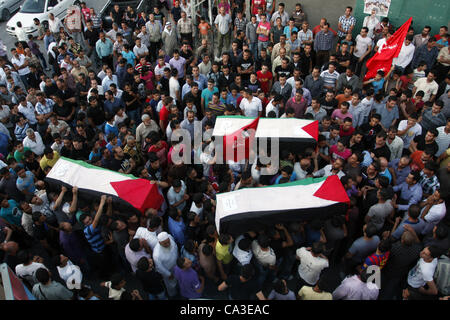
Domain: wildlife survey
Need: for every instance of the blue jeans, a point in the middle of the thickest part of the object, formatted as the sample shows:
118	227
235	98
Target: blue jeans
262	44
134	115
159	296
254	49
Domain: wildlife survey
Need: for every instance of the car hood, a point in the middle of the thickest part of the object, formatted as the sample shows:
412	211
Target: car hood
25	18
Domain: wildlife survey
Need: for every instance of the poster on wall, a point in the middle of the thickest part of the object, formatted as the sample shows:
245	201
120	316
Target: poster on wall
381	6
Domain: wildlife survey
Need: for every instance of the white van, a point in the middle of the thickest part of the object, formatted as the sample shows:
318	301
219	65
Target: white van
38	9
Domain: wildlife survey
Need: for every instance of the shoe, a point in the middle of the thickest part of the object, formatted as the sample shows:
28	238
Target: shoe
47	69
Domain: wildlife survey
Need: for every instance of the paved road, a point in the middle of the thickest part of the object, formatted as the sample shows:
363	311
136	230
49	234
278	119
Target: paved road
10	40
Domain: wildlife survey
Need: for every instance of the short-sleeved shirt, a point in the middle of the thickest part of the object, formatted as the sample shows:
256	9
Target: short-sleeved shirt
422	273
26	183
242	290
223	253
429	88
362	248
251	108
414	131
188	281
310	267
264	26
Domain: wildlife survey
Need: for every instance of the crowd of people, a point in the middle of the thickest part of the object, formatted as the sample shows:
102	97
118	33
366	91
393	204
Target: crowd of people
114	98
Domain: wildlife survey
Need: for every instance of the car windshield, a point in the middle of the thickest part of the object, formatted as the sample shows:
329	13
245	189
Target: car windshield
33	6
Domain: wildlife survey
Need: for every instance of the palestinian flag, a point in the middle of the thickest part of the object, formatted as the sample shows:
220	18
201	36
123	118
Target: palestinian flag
294	134
140	194
246	209
237	134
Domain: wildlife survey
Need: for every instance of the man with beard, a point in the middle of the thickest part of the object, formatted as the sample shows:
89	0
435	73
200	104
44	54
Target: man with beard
165	257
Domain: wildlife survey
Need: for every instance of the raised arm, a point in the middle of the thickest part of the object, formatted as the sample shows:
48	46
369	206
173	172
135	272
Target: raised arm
99	212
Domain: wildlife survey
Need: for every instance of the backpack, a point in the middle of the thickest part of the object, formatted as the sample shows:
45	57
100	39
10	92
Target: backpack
442	275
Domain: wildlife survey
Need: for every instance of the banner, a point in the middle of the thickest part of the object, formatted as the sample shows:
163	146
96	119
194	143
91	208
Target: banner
382	60
381	6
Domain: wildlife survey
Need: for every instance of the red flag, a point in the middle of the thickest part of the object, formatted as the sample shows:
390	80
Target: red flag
383	60
240	141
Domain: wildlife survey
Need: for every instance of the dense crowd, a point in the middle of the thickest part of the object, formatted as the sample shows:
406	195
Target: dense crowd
113	97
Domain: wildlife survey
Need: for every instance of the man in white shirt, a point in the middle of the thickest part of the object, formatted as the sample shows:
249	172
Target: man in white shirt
274	105
312	262
443	138
433	211
428	85
135	250
251	106
21	65
34	141
174	86
406	54
150	234
421	275
330	169
110	78
362	49
242	250
409	129
20	33
165	257
140	50
223	23
54	23
394	143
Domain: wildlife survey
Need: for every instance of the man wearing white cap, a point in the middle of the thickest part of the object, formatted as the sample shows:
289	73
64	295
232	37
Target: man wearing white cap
165	257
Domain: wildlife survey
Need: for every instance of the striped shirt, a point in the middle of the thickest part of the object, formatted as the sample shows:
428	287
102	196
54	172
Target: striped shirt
94	237
329	79
305	36
346	24
45	108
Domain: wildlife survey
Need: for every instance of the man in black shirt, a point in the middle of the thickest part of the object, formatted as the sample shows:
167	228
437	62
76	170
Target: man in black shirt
91	36
245	66
95	115
329	103
116	14
370	130
263	58
193	95
243	286
235	54
121	161
83	87
64	110
380	148
226	61
50	87
307	59
79	150
8	185
185	51
164	82
427	140
151	281
285	68
226	78
343	58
